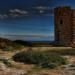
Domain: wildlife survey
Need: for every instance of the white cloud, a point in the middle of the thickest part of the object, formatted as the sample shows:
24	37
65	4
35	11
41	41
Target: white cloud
13	13
18	11
42	8
39	10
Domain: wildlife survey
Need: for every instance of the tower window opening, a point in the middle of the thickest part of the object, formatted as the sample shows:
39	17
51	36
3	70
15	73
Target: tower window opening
61	22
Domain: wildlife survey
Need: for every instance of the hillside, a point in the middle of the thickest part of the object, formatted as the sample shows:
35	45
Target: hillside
5	43
35	43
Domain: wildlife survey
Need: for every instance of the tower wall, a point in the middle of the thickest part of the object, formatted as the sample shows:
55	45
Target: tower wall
73	21
63	25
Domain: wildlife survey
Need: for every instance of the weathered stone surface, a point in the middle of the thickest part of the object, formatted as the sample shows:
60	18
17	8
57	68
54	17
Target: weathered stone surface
64	19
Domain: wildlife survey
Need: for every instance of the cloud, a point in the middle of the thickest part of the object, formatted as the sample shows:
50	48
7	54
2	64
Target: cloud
34	35
44	10
3	16
18	13
41	11
38	11
41	8
14	13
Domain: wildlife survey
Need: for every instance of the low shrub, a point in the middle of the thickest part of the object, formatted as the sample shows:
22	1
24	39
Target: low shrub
49	65
39	58
8	49
6	62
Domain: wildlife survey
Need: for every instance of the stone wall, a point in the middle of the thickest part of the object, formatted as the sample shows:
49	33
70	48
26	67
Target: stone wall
63	25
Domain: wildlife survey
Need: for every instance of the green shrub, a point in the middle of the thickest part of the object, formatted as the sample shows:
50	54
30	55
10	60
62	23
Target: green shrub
39	58
5	61
49	65
8	49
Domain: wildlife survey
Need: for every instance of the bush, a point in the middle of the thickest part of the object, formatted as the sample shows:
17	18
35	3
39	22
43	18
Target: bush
49	65
8	49
39	58
6	62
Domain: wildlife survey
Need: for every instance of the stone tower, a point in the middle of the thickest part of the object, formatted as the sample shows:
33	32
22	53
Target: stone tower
63	26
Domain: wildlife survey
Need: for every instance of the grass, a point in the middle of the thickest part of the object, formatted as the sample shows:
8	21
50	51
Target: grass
42	59
63	51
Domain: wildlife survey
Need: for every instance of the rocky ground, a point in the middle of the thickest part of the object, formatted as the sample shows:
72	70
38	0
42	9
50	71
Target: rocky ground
13	71
24	69
10	71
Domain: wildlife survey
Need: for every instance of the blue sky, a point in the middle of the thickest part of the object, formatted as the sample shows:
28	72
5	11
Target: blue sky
30	19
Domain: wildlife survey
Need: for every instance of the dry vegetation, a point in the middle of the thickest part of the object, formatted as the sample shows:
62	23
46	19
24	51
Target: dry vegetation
36	70
10	67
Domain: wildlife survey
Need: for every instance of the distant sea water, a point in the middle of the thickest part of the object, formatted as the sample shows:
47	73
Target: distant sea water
49	38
